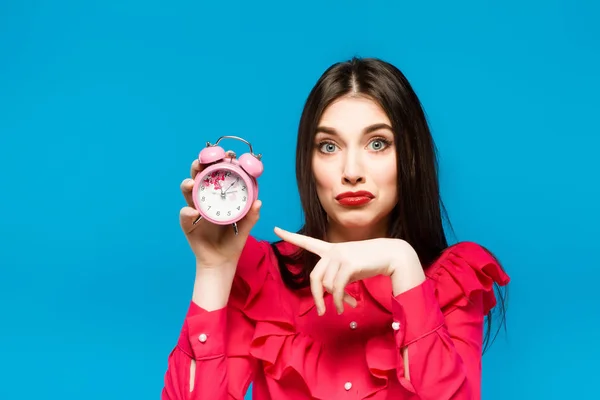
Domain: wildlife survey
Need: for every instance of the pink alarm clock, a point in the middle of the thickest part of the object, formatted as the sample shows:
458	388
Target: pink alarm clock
226	188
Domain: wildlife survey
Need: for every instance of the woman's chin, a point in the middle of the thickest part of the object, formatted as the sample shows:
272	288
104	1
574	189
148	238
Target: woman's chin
359	221
356	222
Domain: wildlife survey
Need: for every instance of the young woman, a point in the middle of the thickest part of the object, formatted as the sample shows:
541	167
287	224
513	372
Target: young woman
368	300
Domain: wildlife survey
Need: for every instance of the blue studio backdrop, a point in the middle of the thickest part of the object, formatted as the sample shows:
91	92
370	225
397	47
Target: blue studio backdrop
104	105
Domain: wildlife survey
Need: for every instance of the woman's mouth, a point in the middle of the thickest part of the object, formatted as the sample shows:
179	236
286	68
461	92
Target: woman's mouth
354	198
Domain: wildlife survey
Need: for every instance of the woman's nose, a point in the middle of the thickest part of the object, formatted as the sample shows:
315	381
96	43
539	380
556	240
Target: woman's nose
353	171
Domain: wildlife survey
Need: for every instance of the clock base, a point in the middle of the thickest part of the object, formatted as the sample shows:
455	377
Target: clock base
235	228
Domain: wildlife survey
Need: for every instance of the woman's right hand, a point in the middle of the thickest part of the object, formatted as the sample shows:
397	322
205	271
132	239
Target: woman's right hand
215	246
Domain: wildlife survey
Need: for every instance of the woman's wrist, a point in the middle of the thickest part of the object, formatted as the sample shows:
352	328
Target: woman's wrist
407	271
212	287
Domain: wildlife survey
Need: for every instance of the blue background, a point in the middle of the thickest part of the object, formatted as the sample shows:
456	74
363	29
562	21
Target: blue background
104	104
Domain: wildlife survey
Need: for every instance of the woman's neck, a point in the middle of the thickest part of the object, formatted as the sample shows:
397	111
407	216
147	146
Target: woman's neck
338	234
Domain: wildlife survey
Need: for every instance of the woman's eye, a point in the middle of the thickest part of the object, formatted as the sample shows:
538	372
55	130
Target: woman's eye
328	147
378	144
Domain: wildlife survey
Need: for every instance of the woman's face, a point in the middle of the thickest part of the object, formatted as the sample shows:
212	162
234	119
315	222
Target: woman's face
354	165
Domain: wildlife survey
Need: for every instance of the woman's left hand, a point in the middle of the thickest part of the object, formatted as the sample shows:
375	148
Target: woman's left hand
347	262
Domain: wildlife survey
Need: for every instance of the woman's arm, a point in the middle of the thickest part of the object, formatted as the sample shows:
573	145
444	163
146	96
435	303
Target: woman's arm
439	323
201	365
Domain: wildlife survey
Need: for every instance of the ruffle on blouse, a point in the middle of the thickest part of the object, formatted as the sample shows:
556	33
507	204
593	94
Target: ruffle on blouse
275	341
466	270
462	271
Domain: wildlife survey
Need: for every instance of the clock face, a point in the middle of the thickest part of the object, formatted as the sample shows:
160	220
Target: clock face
222	195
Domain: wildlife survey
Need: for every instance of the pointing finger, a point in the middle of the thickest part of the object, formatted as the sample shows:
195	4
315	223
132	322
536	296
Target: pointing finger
316	246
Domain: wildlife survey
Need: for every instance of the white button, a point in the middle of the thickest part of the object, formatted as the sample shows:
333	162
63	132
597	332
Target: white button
353	325
348	385
202	338
395	325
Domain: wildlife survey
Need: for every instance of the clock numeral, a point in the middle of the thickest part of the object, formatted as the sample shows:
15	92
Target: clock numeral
203	198
243	188
209	207
228	212
244	198
218	212
202	188
228	173
238	207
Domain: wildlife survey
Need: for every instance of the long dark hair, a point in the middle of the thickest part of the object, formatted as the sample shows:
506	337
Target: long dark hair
419	214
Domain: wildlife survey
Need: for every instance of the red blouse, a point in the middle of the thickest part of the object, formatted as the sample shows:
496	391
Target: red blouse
272	336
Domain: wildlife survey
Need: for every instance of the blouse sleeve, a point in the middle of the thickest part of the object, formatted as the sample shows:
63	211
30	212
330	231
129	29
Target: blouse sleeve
218	341
440	323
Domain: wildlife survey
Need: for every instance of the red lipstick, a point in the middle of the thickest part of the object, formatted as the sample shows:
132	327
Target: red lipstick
354	198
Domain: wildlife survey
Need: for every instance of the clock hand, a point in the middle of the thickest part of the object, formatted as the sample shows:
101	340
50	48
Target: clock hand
223	193
237	179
